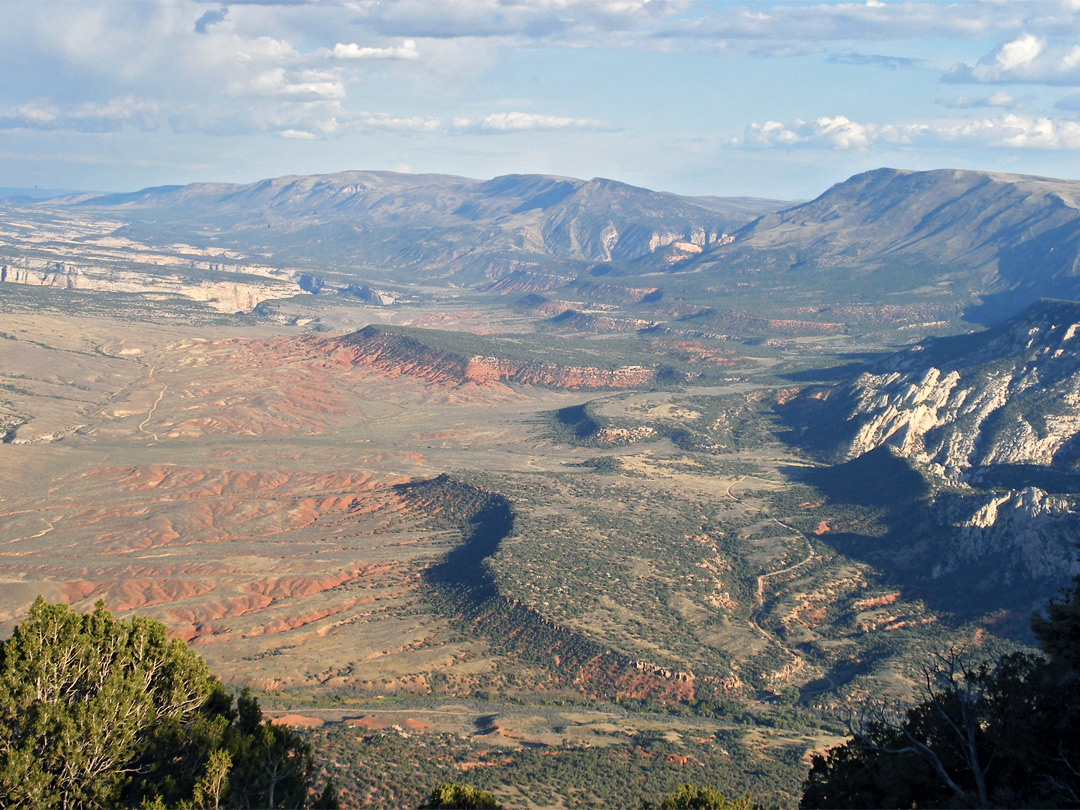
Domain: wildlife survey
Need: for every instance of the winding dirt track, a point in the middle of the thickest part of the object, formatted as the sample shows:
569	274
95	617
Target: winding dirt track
798	661
150	413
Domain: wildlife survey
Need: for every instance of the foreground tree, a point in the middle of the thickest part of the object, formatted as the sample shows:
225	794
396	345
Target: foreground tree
983	736
692	797
451	795
98	712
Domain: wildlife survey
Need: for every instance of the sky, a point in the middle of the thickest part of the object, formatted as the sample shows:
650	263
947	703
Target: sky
761	98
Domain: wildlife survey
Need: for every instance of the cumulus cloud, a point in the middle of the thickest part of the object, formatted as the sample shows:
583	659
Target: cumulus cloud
1027	58
842	134
242	51
298	135
407	50
305	84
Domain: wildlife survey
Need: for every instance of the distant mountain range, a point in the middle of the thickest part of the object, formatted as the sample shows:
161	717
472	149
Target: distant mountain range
437	226
887	245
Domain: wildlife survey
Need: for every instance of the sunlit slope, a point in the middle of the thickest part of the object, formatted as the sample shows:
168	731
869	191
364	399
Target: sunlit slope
437	225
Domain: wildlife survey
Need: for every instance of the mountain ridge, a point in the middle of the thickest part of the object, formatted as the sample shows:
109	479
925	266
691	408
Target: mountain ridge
443	225
889	246
995	241
940	402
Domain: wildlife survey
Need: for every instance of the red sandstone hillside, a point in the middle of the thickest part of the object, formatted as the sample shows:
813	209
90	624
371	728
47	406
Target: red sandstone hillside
397	354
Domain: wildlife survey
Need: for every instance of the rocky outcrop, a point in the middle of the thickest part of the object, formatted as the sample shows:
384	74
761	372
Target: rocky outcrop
994	419
614	293
463	588
555	376
1029	534
523	281
538	305
722	321
1009	396
223	295
618	435
367	294
598	324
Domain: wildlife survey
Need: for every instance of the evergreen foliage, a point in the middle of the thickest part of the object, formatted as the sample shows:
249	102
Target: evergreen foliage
99	712
692	797
984	736
454	796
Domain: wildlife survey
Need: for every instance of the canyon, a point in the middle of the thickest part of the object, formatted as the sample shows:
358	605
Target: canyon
541	441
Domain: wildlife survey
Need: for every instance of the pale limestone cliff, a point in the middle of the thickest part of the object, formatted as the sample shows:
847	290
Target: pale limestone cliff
998	409
222	295
1030	533
1013	400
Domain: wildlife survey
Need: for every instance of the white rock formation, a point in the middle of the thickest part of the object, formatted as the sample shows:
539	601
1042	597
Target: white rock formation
224	296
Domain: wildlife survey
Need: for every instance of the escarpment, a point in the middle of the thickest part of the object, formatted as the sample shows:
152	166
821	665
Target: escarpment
1007	396
398	354
992	421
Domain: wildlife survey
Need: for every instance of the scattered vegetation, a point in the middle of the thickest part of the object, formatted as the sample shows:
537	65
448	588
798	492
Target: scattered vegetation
397	768
454	796
984	735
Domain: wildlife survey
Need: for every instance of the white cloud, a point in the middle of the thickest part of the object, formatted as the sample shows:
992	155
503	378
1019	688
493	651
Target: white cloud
1042	133
849	22
841	134
1001	99
520	122
115	114
528	18
257	49
307	84
1026	59
1021	51
298	135
407	50
386	121
836	132
34	113
497	122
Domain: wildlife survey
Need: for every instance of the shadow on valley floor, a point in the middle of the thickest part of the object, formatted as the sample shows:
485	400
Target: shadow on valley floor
464	591
887	516
857	363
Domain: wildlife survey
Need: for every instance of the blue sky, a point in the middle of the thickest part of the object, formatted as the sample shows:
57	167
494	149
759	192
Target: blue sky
776	99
